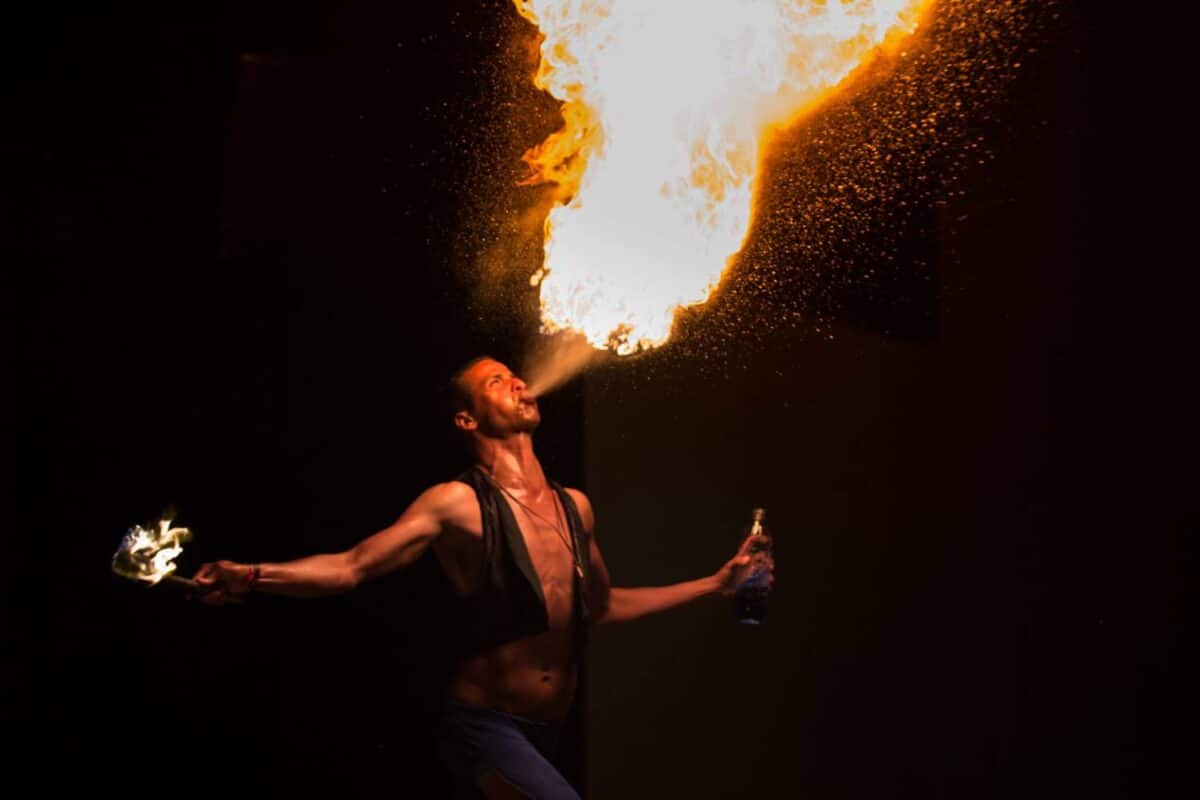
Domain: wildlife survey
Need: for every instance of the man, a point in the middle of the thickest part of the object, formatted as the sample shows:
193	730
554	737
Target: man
521	551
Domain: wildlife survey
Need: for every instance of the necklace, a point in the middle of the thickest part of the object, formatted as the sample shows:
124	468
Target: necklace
555	526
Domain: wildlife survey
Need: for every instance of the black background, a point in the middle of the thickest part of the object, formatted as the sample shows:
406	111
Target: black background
241	237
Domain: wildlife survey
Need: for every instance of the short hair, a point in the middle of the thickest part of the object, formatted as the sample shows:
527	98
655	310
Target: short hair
458	396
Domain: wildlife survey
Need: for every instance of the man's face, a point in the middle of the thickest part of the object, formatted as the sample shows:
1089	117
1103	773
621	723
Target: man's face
499	403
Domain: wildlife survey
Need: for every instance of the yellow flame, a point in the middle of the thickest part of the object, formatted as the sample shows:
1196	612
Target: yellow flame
667	105
149	555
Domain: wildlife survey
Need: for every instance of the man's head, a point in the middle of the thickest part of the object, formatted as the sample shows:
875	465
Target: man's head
488	400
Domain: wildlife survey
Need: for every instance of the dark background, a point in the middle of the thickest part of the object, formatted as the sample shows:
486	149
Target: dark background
241	237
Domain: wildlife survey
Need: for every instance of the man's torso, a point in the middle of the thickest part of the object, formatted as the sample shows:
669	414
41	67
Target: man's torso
534	676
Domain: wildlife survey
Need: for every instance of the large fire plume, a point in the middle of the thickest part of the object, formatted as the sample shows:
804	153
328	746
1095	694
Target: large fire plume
668	106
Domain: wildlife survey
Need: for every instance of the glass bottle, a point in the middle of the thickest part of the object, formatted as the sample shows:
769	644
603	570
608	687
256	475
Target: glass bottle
752	581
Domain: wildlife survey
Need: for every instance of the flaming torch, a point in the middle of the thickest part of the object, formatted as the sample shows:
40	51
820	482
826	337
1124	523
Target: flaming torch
148	555
668	107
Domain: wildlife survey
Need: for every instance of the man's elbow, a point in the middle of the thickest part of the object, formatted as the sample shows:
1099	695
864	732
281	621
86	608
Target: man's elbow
352	574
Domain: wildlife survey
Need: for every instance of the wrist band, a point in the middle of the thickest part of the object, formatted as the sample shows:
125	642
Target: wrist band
252	576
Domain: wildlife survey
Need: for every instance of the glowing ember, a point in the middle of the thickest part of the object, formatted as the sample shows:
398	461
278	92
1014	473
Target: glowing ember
149	555
667	107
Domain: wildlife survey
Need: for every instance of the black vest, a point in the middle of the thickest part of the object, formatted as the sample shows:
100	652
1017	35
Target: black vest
510	604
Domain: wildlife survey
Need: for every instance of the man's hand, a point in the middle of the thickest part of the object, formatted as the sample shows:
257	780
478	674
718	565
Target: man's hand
221	582
726	576
626	604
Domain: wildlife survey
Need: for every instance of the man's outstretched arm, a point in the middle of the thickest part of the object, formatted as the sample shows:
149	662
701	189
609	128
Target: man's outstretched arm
392	548
616	604
627	604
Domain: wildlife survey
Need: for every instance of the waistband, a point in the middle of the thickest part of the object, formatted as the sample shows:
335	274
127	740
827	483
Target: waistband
457	706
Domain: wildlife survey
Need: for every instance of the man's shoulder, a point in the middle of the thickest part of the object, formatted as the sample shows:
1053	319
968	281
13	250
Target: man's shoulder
451	492
577	495
446	499
583	504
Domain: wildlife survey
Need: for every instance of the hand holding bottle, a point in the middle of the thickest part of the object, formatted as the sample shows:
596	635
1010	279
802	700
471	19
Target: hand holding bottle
755	572
726	575
753	567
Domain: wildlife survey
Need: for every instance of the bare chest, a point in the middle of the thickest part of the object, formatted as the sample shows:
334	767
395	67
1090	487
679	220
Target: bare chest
547	545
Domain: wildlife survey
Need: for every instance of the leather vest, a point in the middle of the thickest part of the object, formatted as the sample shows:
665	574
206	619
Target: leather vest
510	605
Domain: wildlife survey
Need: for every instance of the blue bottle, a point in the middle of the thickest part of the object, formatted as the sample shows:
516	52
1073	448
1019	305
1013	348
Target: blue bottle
752	581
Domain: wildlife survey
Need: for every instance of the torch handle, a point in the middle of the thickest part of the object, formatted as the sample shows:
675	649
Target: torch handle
188	583
185	582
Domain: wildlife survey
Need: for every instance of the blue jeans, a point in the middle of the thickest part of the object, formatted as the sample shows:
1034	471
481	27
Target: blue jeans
473	742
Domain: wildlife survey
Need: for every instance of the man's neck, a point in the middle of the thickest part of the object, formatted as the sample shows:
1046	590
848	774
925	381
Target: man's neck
512	463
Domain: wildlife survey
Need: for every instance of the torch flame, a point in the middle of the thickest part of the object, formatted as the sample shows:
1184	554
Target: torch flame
149	555
667	106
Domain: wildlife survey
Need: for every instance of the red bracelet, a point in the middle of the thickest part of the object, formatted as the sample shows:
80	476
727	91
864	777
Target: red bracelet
252	576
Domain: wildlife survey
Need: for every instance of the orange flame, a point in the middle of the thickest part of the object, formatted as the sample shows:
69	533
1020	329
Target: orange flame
667	106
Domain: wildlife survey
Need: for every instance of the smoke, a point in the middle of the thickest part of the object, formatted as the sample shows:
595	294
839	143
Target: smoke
554	360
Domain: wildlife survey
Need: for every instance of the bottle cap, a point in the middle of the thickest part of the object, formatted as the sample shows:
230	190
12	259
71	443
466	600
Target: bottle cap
759	514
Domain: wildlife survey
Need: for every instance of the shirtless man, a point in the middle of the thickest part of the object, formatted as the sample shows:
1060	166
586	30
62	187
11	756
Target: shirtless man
521	551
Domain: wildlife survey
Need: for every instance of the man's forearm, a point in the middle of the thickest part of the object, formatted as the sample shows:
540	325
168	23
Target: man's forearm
313	576
627	604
